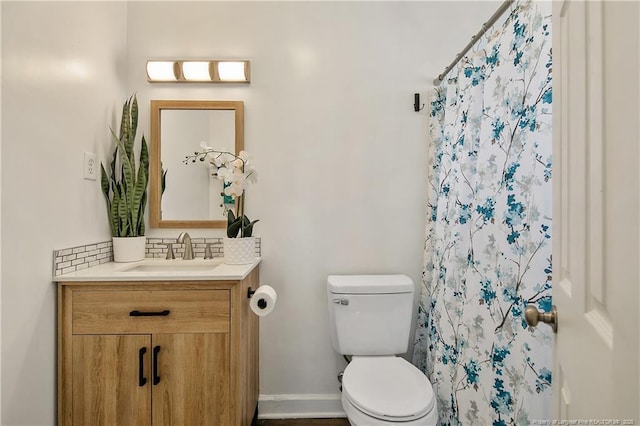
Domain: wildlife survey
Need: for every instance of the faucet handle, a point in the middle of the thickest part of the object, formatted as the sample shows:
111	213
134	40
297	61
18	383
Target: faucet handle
207	251
170	253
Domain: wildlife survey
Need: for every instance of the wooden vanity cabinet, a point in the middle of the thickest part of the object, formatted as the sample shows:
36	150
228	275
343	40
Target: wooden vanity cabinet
157	353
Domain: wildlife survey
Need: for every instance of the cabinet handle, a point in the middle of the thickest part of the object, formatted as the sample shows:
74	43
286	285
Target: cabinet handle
149	314
141	379
156	377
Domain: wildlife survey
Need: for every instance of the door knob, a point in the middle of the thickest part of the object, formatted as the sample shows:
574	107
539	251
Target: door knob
533	316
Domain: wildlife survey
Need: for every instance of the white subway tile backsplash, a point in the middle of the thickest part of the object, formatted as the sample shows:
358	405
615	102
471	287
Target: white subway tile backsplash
68	270
81	257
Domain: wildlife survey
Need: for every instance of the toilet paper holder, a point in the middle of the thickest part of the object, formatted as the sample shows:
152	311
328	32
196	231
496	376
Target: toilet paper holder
261	303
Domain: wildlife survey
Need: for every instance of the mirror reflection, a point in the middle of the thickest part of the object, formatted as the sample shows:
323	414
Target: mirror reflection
190	197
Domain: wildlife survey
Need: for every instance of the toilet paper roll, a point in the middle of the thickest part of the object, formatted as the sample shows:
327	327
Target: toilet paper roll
263	300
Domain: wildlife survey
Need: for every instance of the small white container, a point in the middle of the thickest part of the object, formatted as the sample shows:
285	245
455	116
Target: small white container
128	249
239	251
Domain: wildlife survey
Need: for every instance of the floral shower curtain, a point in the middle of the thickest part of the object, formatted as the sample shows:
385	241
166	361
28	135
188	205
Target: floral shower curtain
488	237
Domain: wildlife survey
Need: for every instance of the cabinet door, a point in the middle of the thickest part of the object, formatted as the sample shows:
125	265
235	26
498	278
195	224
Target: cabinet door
193	379
107	385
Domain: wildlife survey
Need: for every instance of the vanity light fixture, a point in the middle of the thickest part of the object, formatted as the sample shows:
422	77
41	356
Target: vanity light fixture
198	71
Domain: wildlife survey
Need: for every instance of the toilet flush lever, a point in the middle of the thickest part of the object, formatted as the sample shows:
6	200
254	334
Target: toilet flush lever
341	301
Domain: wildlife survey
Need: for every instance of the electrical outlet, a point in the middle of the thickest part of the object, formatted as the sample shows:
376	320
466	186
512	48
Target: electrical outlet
90	166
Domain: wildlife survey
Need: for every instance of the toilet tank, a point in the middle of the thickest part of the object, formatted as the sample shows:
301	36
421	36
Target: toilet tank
370	314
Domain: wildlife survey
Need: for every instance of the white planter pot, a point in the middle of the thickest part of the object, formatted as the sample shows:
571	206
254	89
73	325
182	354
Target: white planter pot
239	251
128	249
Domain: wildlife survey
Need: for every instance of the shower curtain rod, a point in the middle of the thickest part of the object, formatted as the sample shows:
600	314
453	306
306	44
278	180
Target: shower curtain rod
474	39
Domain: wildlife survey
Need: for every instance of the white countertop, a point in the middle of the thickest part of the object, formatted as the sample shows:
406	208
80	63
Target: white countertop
162	269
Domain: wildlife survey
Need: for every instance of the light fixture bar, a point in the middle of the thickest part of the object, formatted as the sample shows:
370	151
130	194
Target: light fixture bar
199	71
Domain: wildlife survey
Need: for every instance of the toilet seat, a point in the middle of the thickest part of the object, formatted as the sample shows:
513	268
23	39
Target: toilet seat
387	388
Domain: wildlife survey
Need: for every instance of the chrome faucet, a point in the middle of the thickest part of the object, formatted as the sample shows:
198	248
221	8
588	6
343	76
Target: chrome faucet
188	247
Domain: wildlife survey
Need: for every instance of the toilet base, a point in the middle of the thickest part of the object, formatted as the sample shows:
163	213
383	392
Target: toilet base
358	418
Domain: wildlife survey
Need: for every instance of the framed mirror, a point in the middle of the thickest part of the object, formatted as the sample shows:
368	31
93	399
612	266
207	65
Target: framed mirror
191	197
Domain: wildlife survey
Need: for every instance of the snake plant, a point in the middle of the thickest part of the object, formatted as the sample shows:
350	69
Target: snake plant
125	188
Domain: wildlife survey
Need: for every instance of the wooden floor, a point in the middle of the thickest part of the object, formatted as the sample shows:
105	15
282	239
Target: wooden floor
304	422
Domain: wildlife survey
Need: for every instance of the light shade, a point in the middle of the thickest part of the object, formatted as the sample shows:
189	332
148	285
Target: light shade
162	71
198	71
231	71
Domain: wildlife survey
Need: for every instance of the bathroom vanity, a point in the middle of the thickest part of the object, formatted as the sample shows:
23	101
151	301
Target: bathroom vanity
156	345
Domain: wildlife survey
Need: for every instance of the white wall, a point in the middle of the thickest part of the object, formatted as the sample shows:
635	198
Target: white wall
63	83
339	150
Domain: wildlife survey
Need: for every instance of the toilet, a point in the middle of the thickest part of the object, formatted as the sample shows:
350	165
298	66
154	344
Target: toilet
370	320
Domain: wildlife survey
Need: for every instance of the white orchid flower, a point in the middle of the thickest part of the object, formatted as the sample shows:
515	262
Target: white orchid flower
215	159
228	157
246	157
205	147
218	158
237	176
234	190
251	176
248	160
237	164
213	170
225	174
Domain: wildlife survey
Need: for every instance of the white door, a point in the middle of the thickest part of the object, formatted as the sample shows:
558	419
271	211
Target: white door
596	256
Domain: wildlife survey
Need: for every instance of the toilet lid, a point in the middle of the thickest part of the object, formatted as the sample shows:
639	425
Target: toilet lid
387	388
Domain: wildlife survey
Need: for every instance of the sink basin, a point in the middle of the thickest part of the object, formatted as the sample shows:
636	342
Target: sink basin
172	266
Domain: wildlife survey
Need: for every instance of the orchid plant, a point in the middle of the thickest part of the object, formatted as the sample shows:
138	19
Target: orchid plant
236	171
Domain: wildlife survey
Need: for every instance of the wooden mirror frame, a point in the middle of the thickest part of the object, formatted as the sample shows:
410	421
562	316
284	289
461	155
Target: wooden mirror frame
155	171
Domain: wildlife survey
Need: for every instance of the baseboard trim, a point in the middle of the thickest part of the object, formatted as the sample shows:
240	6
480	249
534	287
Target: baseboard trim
300	406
